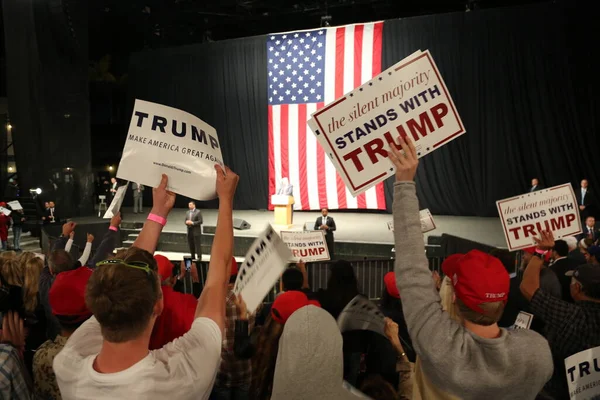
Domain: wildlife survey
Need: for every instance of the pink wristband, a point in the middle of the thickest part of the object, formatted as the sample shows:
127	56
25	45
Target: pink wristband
113	228
157	219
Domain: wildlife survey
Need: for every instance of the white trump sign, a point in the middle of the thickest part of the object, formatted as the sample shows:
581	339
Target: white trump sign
117	201
553	209
427	222
583	374
165	140
265	261
409	99
306	245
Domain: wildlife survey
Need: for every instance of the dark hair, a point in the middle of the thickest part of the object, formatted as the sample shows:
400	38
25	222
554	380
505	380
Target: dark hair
592	291
375	387
561	248
342	287
264	360
292	279
60	261
192	201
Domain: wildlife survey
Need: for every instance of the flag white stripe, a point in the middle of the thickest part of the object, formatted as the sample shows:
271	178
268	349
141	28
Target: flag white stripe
293	147
366	74
351	201
276	115
312	180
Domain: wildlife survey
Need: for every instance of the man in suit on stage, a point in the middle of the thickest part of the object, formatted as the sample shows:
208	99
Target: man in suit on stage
585	200
138	197
589	230
51	217
113	188
327	224
535	185
193	220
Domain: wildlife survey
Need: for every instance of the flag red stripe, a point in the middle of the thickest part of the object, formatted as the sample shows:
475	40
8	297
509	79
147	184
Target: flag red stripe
321	175
283	140
339	92
271	158
302	118
361	199
377	46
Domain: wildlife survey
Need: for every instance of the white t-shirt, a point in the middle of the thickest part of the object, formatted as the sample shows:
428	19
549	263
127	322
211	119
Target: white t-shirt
183	369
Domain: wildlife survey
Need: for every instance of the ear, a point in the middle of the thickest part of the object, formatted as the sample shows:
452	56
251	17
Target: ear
159	306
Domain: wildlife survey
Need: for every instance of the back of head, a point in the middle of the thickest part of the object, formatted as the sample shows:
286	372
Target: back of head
310	360
263	362
571	242
375	387
31	282
13	272
292	279
561	248
123	297
6	256
342	287
67	298
60	261
481	285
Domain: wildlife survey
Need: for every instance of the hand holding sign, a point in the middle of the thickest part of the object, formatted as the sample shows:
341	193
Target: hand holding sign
545	241
162	199
227	182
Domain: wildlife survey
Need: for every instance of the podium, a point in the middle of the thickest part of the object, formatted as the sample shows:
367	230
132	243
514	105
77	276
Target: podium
283	209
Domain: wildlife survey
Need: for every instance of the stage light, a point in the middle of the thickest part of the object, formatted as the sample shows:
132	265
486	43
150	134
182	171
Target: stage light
10	169
68	168
110	167
36	191
8	126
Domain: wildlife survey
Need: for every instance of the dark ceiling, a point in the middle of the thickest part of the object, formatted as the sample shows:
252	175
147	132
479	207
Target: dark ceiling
119	27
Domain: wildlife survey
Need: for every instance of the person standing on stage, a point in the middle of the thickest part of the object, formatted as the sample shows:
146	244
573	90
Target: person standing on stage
193	220
51	217
138	197
535	185
326	224
113	188
585	200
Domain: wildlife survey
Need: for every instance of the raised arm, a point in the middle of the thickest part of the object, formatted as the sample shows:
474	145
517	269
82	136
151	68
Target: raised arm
61	242
107	245
87	250
212	300
162	203
421	303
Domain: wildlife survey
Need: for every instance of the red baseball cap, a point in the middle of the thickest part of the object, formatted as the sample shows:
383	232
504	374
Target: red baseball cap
287	303
390	284
165	267
477	278
67	295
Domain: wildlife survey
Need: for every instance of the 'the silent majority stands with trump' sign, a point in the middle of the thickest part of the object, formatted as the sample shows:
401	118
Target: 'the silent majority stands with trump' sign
306	245
523	217
165	140
410	99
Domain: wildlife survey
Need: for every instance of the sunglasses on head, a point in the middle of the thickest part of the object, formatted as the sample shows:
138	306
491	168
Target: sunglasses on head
131	264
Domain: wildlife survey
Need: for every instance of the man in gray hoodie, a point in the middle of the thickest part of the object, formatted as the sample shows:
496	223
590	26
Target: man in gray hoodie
474	359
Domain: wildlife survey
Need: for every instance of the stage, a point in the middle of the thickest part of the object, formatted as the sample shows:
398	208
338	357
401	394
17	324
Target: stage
357	234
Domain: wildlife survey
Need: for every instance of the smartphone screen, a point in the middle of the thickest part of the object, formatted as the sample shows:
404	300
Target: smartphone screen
188	263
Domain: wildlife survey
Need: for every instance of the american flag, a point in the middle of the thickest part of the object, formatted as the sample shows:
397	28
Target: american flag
307	70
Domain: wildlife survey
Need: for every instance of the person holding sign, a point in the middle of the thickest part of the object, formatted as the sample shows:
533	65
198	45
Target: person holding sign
462	357
108	357
193	221
571	327
327	225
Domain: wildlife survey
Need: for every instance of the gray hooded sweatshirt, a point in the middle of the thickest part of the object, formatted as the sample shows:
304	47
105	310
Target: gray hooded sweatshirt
514	366
310	364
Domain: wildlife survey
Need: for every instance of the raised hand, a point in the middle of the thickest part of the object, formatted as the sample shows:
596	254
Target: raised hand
90	238
68	228
227	182
116	220
406	162
13	331
545	241
240	305
162	199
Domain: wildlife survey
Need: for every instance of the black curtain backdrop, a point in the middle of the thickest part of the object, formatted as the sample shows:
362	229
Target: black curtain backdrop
225	85
523	83
46	47
520	77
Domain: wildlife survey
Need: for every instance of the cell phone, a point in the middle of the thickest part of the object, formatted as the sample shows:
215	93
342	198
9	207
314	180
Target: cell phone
188	263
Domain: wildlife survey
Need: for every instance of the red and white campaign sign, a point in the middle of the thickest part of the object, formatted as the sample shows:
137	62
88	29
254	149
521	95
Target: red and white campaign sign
553	209
409	99
306	245
427	223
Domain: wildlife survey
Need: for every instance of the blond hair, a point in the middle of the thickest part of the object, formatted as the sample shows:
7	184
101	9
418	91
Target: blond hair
492	312
447	295
32	270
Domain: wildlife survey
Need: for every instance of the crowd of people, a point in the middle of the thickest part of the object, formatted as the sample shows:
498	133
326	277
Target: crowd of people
118	325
